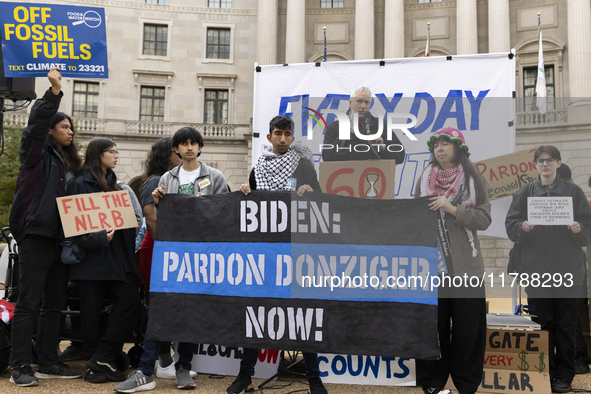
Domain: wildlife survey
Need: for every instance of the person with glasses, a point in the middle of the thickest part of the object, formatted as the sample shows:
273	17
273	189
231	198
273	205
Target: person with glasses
553	251
109	270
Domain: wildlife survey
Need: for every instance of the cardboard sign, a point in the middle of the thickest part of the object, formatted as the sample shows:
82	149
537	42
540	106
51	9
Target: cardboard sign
90	213
38	37
367	370
221	360
516	361
506	174
550	211
373	179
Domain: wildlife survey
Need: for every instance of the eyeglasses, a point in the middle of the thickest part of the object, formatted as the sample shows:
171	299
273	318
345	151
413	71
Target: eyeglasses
549	161
113	152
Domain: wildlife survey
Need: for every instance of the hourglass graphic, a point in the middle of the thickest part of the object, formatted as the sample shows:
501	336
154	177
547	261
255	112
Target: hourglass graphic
371	178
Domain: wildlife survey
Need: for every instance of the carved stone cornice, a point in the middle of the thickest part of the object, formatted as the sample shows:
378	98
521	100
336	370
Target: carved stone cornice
329	11
165	8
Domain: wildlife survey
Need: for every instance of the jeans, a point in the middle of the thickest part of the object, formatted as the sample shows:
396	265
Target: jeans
250	357
150	355
43	279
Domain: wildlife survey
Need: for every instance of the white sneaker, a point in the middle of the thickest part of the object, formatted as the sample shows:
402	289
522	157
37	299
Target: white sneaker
168	372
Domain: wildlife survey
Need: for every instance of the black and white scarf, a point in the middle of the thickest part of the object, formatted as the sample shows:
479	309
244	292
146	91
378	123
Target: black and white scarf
272	172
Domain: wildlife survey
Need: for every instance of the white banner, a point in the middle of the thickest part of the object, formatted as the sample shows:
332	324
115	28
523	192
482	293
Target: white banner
367	370
222	360
472	93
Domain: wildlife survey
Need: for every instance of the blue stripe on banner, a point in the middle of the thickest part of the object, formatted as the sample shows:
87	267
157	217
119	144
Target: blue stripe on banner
302	271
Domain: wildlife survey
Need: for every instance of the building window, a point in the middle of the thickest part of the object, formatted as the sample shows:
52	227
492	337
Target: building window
332	3
152	104
86	100
155	40
430	1
530	76
216	107
218	43
163	2
220	3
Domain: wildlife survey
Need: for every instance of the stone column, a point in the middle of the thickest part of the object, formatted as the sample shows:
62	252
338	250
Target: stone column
267	32
498	26
394	29
295	32
467	35
579	49
364	29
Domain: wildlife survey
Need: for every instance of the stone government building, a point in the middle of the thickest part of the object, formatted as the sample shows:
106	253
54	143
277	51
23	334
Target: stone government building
174	63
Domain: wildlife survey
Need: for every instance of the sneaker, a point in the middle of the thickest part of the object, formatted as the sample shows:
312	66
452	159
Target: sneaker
95	377
136	381
581	367
23	376
242	384
71	353
168	372
57	371
560	386
107	368
437	390
316	386
183	379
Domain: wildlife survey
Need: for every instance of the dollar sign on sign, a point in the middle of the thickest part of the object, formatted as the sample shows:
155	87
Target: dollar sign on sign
524	364
542	364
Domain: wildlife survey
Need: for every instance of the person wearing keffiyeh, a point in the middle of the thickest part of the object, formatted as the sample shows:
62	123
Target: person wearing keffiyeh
283	166
460	196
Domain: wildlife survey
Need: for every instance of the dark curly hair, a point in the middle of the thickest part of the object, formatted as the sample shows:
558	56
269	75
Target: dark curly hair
158	160
281	122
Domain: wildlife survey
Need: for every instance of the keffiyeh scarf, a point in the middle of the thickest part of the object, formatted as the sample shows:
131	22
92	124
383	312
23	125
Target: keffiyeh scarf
448	183
272	172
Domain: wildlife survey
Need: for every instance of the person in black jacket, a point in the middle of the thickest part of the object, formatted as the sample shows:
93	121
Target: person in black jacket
281	168
354	148
109	269
552	254
48	158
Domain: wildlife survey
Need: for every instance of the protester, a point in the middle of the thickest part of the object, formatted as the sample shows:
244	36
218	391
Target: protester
49	159
581	364
354	148
462	200
550	250
284	166
194	178
109	269
161	159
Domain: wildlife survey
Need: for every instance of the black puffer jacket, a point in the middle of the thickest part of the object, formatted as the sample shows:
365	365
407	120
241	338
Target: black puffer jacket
104	260
551	249
41	178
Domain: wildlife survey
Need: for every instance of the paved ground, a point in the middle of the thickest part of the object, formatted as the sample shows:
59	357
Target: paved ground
216	385
213	385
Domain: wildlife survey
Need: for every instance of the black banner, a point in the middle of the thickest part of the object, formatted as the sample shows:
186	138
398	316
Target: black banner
321	273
